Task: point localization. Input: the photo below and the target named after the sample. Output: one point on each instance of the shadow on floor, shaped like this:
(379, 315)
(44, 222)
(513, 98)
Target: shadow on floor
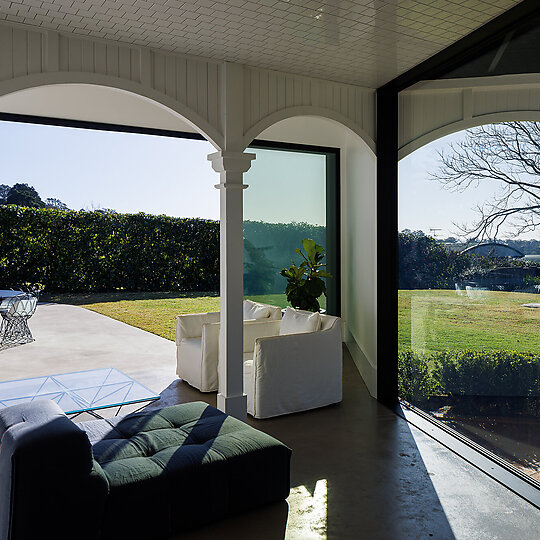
(356, 472)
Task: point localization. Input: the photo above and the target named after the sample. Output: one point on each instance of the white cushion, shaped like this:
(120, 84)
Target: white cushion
(299, 322)
(253, 310)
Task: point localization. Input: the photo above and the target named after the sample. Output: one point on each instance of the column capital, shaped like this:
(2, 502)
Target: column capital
(233, 162)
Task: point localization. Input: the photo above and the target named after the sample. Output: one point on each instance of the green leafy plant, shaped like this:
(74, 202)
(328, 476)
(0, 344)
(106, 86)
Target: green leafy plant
(305, 283)
(416, 382)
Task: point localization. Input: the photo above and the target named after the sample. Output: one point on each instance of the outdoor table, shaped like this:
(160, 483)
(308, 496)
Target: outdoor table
(78, 392)
(6, 295)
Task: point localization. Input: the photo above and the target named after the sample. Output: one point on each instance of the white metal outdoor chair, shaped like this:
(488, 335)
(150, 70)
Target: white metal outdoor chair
(15, 315)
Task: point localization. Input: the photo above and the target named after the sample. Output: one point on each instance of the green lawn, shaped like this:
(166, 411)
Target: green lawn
(440, 319)
(443, 320)
(153, 311)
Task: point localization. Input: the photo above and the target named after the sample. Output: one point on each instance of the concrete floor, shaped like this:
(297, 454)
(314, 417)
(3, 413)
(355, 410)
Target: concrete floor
(358, 470)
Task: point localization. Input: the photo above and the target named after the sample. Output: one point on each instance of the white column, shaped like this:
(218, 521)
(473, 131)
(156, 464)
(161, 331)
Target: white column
(231, 166)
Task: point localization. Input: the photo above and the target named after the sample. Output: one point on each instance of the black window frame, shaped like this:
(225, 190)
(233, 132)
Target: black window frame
(333, 211)
(465, 50)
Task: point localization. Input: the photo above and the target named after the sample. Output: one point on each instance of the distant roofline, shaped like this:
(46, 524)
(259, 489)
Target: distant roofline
(493, 244)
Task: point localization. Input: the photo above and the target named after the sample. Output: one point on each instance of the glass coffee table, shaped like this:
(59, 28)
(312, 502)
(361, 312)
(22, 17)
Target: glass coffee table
(78, 392)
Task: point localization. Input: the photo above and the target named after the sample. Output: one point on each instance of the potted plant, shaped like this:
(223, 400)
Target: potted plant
(305, 283)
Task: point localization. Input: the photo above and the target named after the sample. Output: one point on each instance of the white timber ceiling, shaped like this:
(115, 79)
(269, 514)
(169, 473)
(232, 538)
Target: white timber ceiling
(363, 42)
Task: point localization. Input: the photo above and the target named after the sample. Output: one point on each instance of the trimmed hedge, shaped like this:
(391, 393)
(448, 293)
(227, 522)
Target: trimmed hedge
(488, 373)
(415, 380)
(68, 251)
(468, 373)
(269, 248)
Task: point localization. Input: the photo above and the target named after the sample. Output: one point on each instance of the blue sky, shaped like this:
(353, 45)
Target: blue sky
(160, 175)
(126, 172)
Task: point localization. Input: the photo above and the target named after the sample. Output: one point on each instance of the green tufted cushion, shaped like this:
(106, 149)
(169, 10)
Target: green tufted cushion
(178, 467)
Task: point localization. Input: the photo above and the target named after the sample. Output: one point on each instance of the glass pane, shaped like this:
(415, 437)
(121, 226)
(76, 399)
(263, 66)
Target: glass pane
(469, 280)
(285, 203)
(79, 391)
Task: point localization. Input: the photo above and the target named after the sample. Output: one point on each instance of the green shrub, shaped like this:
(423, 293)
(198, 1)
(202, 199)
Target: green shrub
(468, 373)
(415, 379)
(488, 373)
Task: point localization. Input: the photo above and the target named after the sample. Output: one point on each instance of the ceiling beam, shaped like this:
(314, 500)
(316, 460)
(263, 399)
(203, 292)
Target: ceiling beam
(468, 47)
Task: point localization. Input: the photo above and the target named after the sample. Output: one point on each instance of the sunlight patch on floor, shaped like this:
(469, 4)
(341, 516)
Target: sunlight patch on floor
(308, 511)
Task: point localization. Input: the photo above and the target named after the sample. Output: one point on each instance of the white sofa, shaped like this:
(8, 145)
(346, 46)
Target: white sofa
(197, 343)
(294, 372)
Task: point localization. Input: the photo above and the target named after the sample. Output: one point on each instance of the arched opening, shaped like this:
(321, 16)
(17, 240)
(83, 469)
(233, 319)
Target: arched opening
(94, 103)
(467, 123)
(120, 163)
(469, 285)
(71, 93)
(356, 224)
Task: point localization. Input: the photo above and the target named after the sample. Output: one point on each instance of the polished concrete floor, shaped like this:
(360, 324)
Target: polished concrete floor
(358, 470)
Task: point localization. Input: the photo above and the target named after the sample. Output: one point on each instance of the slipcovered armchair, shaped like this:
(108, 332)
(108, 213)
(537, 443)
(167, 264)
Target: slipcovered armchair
(293, 372)
(197, 342)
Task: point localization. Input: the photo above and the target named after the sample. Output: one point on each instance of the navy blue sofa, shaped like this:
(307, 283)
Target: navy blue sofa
(146, 475)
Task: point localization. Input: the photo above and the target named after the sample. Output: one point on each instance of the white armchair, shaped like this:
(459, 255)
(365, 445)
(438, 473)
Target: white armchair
(294, 372)
(197, 343)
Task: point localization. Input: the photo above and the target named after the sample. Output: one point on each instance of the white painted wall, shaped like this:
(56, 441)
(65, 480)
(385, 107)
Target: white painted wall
(358, 231)
(359, 201)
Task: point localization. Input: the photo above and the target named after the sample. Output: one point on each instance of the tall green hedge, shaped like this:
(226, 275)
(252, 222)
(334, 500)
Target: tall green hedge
(270, 247)
(68, 251)
(71, 251)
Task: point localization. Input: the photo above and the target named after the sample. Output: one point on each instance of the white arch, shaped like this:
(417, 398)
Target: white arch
(182, 111)
(358, 226)
(306, 110)
(454, 127)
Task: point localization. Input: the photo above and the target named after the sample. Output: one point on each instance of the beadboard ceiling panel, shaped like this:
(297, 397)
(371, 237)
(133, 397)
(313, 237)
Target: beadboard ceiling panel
(362, 42)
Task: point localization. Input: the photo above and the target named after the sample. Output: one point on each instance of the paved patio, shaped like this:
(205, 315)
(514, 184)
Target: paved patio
(358, 470)
(70, 338)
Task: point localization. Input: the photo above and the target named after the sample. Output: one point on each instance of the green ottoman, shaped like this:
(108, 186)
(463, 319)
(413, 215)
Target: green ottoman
(148, 475)
(179, 467)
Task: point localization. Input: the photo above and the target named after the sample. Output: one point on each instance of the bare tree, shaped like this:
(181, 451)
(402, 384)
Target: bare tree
(507, 154)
